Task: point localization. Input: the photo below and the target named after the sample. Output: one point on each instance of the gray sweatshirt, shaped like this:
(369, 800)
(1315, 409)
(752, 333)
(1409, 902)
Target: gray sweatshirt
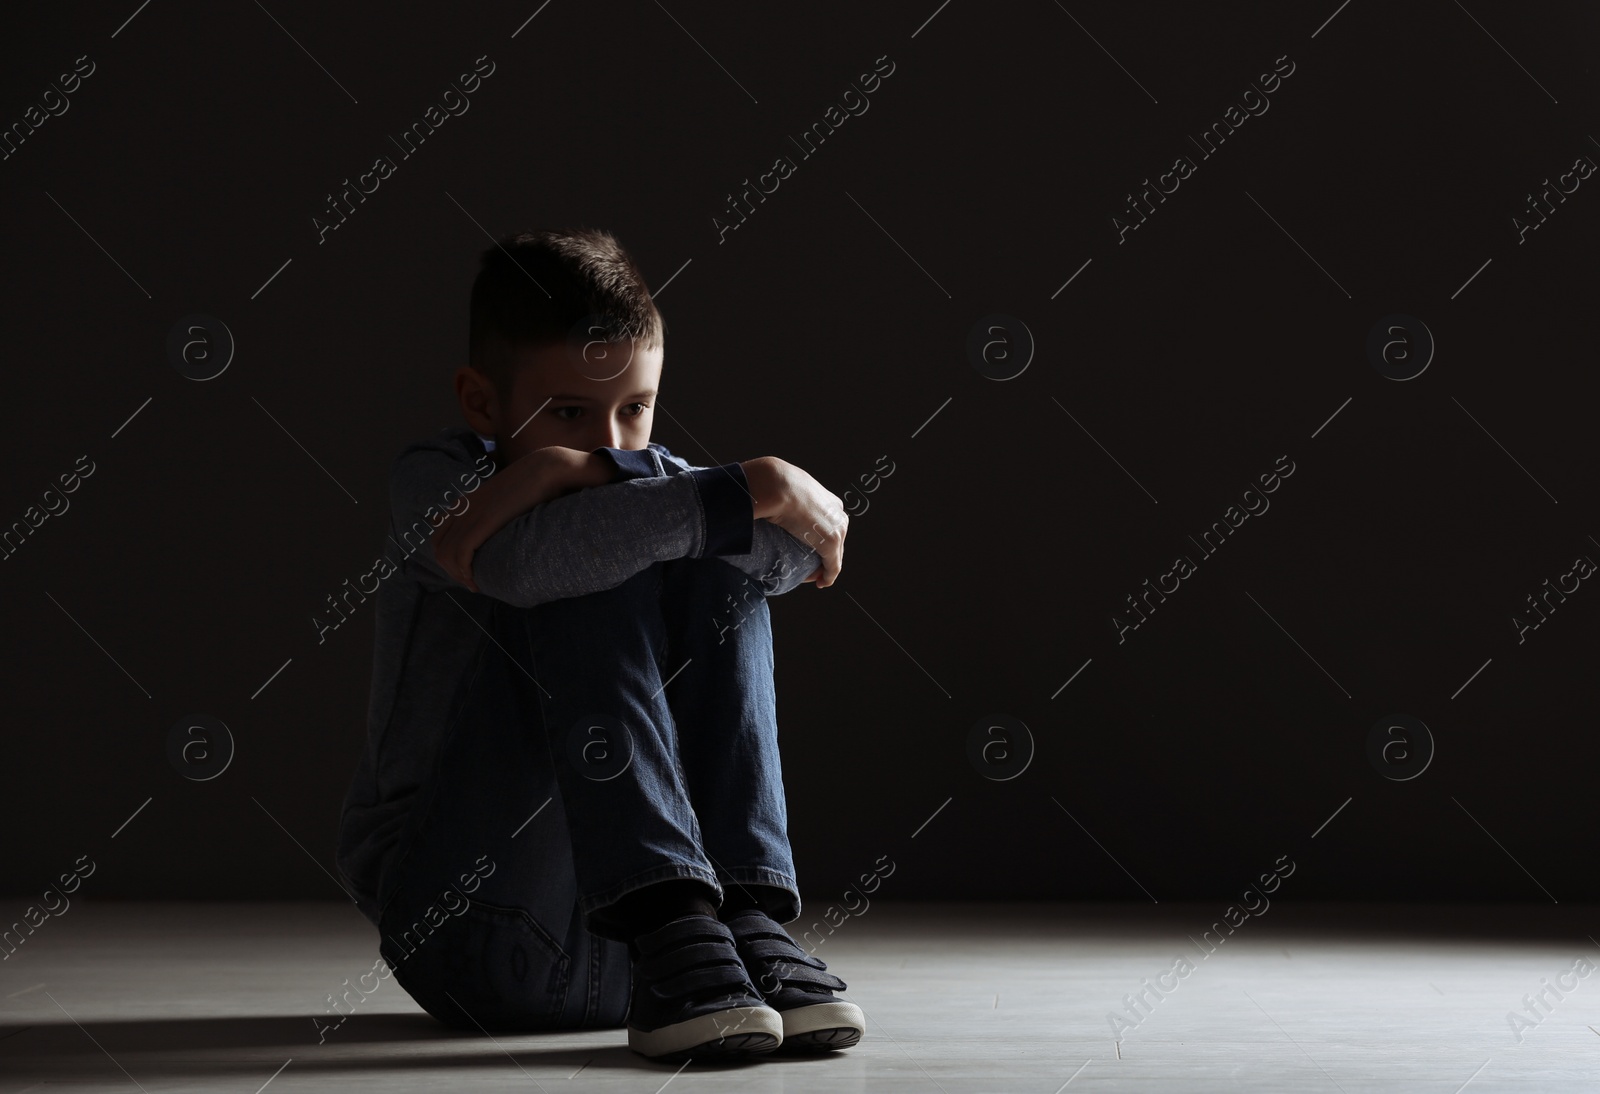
(428, 628)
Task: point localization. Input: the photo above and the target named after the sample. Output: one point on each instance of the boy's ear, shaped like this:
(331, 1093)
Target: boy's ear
(478, 399)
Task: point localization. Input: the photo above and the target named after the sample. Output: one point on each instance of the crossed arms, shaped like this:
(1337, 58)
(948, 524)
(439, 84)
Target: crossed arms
(560, 522)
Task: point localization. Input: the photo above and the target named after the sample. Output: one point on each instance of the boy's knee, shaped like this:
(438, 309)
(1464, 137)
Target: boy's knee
(621, 600)
(710, 573)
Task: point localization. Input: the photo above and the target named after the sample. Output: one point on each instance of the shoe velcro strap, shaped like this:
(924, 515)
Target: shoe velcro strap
(763, 930)
(668, 962)
(802, 975)
(679, 932)
(726, 977)
(780, 949)
(753, 922)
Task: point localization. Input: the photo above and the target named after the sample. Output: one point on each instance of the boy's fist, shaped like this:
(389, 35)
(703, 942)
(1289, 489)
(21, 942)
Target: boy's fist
(790, 498)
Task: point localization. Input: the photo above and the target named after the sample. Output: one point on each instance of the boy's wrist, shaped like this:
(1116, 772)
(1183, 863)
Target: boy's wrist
(580, 470)
(566, 470)
(766, 486)
(544, 475)
(597, 470)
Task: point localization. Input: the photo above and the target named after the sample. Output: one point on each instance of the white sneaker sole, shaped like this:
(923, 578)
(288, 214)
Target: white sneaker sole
(736, 1031)
(823, 1026)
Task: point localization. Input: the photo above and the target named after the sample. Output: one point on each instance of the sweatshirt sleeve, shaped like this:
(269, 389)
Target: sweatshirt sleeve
(778, 561)
(576, 544)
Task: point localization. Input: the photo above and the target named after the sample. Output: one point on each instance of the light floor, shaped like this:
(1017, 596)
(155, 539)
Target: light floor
(960, 998)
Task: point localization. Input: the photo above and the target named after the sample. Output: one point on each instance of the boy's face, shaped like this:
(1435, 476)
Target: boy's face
(563, 396)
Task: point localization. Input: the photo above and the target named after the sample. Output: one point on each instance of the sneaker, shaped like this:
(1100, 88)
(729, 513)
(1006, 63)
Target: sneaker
(796, 985)
(693, 997)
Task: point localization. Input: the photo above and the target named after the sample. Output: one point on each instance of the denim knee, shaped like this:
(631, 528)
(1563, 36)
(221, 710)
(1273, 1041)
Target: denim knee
(714, 596)
(709, 572)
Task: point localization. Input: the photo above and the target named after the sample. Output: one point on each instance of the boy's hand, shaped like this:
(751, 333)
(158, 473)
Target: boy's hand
(537, 477)
(790, 498)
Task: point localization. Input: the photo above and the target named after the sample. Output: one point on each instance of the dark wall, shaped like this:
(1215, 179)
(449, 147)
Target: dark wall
(1173, 364)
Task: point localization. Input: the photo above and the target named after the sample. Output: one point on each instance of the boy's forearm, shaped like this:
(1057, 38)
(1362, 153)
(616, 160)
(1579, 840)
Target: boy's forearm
(775, 559)
(654, 508)
(540, 476)
(590, 540)
(779, 561)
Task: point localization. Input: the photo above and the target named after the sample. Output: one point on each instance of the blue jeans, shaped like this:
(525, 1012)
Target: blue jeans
(565, 783)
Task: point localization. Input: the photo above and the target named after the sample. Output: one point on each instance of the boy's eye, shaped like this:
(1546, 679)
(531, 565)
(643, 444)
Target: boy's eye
(633, 413)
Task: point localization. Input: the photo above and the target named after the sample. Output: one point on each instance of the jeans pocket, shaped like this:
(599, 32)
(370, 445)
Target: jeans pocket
(492, 967)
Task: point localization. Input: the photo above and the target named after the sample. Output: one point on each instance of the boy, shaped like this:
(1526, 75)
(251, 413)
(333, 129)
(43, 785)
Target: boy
(570, 811)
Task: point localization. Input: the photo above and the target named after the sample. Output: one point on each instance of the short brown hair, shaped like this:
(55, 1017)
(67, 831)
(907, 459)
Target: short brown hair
(535, 288)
